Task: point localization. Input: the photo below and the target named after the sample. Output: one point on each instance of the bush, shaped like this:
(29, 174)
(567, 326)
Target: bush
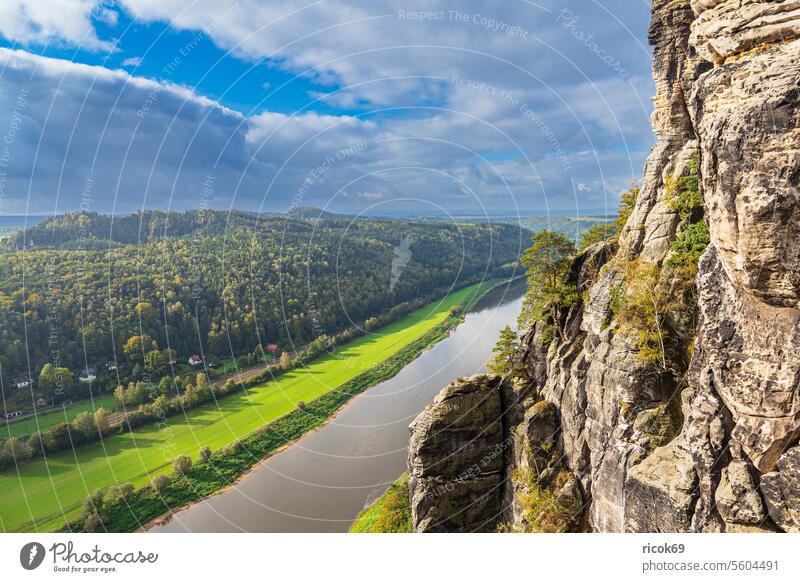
(93, 510)
(118, 493)
(182, 464)
(205, 455)
(85, 424)
(159, 482)
(301, 405)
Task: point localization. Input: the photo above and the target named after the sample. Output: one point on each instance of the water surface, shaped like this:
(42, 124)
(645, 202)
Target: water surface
(322, 482)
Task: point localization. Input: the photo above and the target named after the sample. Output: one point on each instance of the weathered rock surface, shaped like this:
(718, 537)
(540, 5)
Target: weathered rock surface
(726, 28)
(727, 75)
(781, 490)
(455, 458)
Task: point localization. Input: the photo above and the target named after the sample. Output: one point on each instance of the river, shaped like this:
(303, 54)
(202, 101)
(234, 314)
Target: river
(321, 482)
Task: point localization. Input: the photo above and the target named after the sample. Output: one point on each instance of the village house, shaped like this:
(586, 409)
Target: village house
(87, 375)
(21, 382)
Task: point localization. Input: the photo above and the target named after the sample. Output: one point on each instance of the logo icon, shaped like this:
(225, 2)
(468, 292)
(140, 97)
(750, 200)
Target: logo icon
(402, 255)
(31, 555)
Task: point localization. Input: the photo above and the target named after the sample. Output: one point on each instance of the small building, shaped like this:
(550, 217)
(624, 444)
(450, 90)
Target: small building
(111, 366)
(195, 360)
(88, 375)
(21, 382)
(14, 414)
(40, 402)
(272, 348)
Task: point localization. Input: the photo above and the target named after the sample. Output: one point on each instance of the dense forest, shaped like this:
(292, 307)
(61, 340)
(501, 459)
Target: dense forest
(137, 292)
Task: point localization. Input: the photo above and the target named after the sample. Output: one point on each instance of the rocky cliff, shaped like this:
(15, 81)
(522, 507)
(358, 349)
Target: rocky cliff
(698, 431)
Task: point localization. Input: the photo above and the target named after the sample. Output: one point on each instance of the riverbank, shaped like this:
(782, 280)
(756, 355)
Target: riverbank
(329, 475)
(42, 494)
(391, 512)
(225, 468)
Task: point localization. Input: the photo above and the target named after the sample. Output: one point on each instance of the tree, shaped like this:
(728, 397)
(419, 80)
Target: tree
(641, 306)
(146, 312)
(160, 406)
(118, 493)
(93, 510)
(154, 360)
(170, 356)
(165, 386)
(84, 422)
(548, 262)
(205, 455)
(54, 381)
(137, 346)
(286, 361)
(182, 464)
(17, 449)
(626, 205)
(101, 421)
(596, 234)
(159, 482)
(137, 370)
(505, 352)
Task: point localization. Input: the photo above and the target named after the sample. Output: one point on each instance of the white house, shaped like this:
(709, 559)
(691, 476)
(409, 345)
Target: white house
(87, 375)
(195, 360)
(21, 382)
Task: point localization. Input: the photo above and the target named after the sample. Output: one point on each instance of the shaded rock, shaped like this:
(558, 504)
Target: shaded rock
(781, 490)
(570, 497)
(738, 501)
(456, 456)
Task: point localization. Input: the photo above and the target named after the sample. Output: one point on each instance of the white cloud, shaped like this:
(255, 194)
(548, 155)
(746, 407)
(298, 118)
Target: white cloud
(578, 120)
(132, 62)
(41, 21)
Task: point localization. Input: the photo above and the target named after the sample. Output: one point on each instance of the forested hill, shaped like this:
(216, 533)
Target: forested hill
(89, 229)
(219, 283)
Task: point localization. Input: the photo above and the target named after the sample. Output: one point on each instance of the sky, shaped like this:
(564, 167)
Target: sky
(371, 106)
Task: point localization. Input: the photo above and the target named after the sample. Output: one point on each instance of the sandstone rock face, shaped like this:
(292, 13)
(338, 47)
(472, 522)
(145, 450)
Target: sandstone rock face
(744, 379)
(455, 458)
(781, 490)
(597, 376)
(727, 75)
(725, 28)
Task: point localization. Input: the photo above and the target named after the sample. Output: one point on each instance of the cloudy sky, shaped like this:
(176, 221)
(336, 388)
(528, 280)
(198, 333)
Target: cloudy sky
(376, 106)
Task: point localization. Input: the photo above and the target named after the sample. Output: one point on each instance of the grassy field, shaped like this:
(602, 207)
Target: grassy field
(391, 512)
(50, 418)
(42, 494)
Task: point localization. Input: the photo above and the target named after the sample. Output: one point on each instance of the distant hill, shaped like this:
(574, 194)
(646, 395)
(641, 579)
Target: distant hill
(572, 226)
(220, 283)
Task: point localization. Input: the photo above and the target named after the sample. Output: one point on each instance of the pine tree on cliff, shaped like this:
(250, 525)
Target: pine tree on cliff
(548, 261)
(504, 352)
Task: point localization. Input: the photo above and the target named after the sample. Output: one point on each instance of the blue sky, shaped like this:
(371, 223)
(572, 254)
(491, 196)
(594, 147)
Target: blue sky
(354, 106)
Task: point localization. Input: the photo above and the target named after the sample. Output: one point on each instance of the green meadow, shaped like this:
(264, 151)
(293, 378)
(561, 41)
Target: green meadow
(47, 420)
(41, 495)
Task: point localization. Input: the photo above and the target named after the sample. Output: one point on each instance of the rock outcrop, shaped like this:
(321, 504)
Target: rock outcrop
(705, 444)
(455, 458)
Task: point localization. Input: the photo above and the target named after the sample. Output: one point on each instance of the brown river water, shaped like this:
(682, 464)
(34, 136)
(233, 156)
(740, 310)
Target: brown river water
(321, 482)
